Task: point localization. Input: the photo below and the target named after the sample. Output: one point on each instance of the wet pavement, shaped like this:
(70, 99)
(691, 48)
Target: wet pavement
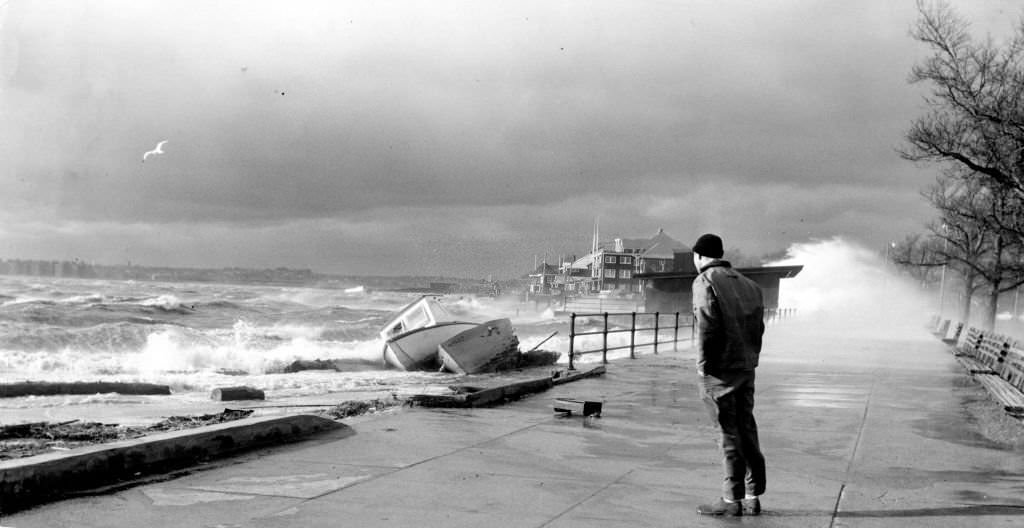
(858, 431)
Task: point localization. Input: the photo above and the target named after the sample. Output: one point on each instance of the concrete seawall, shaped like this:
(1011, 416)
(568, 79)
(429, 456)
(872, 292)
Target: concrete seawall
(31, 480)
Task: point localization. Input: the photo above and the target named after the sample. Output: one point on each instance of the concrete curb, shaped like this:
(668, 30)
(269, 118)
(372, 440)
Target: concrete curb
(32, 480)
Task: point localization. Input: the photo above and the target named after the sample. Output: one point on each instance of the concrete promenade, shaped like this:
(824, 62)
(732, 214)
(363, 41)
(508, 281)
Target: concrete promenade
(858, 431)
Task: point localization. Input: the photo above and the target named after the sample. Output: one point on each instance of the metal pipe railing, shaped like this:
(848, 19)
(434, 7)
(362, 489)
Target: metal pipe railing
(632, 329)
(771, 314)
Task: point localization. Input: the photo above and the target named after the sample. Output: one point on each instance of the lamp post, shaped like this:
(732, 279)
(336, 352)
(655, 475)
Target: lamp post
(890, 245)
(945, 259)
(885, 269)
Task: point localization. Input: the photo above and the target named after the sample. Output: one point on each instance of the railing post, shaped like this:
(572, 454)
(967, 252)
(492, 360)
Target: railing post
(632, 338)
(572, 338)
(604, 350)
(675, 335)
(656, 319)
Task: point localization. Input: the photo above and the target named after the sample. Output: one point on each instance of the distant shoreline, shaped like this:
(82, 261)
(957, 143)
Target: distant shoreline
(281, 276)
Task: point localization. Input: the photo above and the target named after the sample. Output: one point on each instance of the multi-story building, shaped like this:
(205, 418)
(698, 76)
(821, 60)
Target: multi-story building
(613, 266)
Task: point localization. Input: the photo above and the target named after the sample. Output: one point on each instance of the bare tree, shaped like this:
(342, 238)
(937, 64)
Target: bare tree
(918, 256)
(979, 229)
(974, 127)
(976, 103)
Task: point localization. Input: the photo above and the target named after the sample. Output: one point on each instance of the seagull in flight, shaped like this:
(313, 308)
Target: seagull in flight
(158, 150)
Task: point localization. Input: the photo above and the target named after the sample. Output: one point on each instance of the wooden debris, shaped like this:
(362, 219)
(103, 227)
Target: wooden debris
(49, 388)
(175, 423)
(565, 376)
(538, 358)
(28, 439)
(355, 408)
(237, 393)
(310, 364)
(542, 341)
(470, 396)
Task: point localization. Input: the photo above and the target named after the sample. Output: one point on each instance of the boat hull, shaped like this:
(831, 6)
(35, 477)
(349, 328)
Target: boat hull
(417, 349)
(487, 347)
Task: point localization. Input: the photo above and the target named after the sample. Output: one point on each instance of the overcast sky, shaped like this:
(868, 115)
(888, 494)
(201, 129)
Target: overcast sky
(461, 138)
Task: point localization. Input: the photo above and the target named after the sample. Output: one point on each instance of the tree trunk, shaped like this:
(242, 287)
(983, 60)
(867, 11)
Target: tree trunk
(966, 298)
(988, 321)
(994, 281)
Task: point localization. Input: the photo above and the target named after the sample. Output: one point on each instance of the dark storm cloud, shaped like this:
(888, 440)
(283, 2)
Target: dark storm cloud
(497, 130)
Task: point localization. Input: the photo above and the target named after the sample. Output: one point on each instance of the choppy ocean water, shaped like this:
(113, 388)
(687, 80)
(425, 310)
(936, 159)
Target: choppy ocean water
(195, 337)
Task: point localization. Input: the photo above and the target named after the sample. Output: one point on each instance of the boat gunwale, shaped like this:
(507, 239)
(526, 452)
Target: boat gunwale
(428, 327)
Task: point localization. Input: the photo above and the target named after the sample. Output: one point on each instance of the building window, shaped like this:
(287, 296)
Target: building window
(609, 274)
(625, 274)
(626, 260)
(609, 259)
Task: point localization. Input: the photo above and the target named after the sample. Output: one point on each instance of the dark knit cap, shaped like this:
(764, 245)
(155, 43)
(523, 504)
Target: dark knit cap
(709, 245)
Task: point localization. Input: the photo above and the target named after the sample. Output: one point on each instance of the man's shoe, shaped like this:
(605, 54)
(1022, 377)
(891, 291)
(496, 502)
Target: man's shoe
(751, 506)
(720, 507)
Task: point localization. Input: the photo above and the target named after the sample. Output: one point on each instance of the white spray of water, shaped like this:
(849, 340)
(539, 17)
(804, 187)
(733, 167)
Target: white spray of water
(166, 301)
(247, 350)
(845, 287)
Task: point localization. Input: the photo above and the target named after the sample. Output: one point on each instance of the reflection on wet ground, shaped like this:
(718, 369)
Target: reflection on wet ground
(818, 396)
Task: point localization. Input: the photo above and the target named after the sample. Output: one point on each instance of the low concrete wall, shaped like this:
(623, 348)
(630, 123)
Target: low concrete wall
(41, 478)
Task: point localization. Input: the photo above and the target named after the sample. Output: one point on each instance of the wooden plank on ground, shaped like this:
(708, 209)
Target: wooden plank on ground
(474, 396)
(572, 375)
(237, 393)
(48, 388)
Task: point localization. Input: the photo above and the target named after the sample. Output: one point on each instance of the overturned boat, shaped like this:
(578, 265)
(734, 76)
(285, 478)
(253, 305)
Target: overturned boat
(411, 337)
(487, 347)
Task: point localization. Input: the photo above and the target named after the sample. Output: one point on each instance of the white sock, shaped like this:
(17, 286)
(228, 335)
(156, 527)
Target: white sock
(748, 497)
(728, 501)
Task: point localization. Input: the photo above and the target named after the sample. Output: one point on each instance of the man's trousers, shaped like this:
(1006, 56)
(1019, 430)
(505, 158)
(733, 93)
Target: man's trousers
(729, 397)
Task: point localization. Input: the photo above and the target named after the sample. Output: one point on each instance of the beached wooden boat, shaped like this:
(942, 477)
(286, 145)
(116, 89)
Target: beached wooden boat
(412, 336)
(487, 347)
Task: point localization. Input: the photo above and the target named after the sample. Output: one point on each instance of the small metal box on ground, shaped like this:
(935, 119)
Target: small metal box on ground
(582, 407)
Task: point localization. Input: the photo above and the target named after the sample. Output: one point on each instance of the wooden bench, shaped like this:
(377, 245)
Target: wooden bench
(970, 342)
(997, 362)
(1009, 396)
(992, 350)
(1012, 369)
(953, 334)
(972, 365)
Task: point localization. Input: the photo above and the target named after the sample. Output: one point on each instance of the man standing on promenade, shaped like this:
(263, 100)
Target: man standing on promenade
(729, 316)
